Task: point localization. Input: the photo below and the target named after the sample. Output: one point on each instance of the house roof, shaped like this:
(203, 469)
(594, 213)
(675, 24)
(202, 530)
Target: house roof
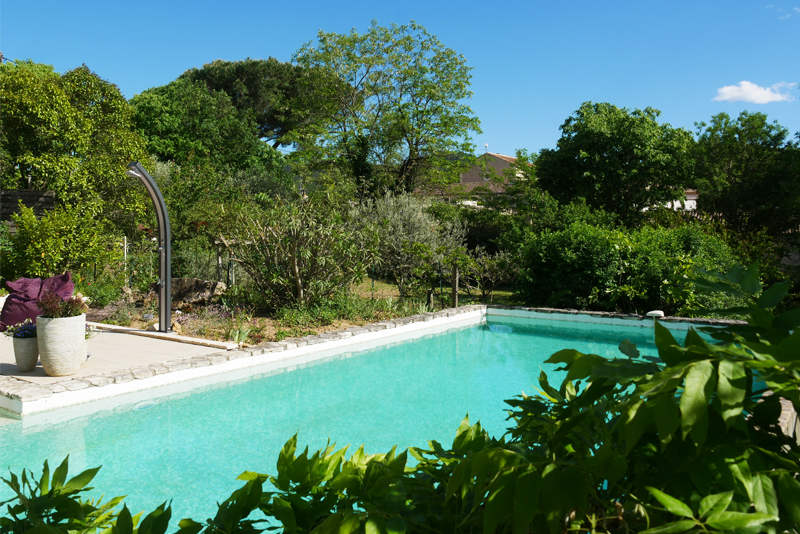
(504, 158)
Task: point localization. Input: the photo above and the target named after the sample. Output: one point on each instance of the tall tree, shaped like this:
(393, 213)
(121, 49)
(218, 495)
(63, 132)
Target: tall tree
(400, 105)
(278, 96)
(749, 172)
(71, 133)
(619, 160)
(184, 120)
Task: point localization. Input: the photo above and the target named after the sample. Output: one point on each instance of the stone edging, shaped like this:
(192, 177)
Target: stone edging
(24, 391)
(617, 315)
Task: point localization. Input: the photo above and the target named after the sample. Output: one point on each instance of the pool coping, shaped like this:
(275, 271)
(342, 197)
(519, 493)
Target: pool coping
(601, 317)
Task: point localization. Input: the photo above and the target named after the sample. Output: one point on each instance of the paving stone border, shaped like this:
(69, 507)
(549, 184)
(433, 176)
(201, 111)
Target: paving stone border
(24, 391)
(615, 315)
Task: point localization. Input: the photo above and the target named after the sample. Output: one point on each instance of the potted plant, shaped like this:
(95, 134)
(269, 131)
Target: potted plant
(61, 333)
(26, 348)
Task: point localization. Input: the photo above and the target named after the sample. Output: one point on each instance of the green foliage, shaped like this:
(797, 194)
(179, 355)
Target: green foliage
(71, 134)
(299, 251)
(102, 292)
(561, 269)
(5, 250)
(242, 296)
(197, 195)
(123, 315)
(271, 177)
(53, 306)
(688, 442)
(37, 69)
(619, 160)
(400, 112)
(485, 225)
(343, 306)
(185, 121)
(586, 266)
(278, 96)
(412, 244)
(526, 209)
(485, 271)
(53, 505)
(749, 173)
(66, 239)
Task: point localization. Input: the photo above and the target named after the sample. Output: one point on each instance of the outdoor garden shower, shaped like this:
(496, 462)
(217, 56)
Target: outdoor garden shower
(136, 170)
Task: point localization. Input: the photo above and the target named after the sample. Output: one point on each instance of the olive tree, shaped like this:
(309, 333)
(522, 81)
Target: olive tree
(412, 244)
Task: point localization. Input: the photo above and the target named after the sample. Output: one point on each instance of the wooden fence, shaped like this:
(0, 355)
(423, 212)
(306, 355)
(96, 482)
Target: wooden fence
(39, 201)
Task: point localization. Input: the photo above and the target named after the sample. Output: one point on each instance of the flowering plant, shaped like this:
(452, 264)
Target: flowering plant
(25, 330)
(53, 306)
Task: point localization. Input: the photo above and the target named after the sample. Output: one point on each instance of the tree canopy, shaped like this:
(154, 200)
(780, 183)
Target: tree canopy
(619, 160)
(400, 110)
(749, 172)
(278, 96)
(185, 120)
(70, 133)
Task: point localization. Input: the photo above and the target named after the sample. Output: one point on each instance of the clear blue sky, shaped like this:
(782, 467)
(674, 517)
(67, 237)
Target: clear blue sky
(534, 62)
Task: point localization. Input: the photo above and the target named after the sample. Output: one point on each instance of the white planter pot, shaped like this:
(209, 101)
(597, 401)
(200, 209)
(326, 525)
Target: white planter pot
(26, 352)
(62, 344)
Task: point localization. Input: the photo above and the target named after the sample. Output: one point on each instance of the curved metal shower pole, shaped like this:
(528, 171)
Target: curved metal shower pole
(136, 170)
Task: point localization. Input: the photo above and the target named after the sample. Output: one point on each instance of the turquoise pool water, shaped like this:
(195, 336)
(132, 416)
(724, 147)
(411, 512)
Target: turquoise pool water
(191, 447)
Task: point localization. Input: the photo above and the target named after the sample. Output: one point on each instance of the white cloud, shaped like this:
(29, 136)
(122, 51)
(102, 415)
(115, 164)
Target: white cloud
(785, 16)
(749, 92)
(796, 9)
(769, 6)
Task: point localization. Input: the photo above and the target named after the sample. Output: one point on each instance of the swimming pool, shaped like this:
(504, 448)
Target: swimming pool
(192, 445)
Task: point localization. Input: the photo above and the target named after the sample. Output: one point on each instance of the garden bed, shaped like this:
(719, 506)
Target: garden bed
(231, 320)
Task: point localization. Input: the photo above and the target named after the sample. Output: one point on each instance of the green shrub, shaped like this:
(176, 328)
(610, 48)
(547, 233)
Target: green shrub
(242, 295)
(65, 239)
(5, 251)
(123, 316)
(299, 251)
(585, 266)
(536, 212)
(345, 306)
(562, 269)
(102, 285)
